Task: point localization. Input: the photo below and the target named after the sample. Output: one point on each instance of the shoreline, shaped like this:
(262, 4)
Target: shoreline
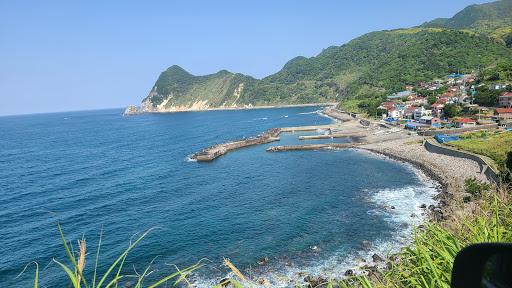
(129, 111)
(397, 146)
(372, 260)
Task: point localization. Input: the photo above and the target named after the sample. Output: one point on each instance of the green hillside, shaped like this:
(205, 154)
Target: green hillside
(381, 62)
(494, 19)
(220, 89)
(365, 68)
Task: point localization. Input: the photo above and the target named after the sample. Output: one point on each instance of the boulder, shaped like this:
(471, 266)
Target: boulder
(377, 258)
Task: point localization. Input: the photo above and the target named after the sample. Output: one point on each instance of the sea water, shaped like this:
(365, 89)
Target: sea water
(94, 172)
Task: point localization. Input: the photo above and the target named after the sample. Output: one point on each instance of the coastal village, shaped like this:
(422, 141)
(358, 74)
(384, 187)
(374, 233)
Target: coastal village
(443, 104)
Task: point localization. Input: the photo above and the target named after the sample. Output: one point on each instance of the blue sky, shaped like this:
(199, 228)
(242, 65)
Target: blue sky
(79, 55)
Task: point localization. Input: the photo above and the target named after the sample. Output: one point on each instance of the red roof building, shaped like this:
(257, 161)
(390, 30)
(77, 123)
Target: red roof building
(505, 99)
(504, 113)
(463, 122)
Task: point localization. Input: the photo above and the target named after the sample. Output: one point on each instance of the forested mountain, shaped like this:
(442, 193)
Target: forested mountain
(493, 19)
(367, 67)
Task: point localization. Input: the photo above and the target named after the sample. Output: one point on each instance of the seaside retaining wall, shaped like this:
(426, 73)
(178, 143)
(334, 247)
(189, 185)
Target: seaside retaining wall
(485, 168)
(457, 130)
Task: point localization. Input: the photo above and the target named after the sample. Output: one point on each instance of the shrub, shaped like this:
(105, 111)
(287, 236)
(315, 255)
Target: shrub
(476, 187)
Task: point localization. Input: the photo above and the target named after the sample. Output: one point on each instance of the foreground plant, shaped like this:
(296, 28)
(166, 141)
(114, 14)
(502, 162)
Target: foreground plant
(114, 274)
(428, 261)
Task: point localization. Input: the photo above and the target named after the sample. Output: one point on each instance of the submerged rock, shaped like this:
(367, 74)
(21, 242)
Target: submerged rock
(367, 245)
(263, 261)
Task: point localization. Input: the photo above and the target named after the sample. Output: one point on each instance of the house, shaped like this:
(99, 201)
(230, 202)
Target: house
(400, 95)
(388, 105)
(437, 109)
(416, 101)
(431, 121)
(504, 113)
(394, 113)
(499, 86)
(464, 122)
(420, 112)
(409, 112)
(505, 100)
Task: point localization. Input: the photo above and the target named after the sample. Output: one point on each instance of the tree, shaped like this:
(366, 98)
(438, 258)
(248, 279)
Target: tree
(452, 110)
(431, 99)
(486, 97)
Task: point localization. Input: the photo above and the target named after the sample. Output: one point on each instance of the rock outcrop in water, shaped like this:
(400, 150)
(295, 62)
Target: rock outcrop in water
(132, 110)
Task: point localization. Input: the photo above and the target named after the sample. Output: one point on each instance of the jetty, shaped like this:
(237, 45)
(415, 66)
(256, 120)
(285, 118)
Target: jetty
(313, 147)
(327, 128)
(333, 135)
(347, 122)
(209, 154)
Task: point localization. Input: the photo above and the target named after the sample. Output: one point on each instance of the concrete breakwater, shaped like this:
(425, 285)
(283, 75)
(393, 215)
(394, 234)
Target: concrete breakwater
(313, 147)
(271, 135)
(209, 154)
(333, 135)
(338, 114)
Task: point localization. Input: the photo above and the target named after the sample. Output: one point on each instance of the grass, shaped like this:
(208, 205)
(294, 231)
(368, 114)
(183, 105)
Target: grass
(115, 275)
(494, 146)
(428, 261)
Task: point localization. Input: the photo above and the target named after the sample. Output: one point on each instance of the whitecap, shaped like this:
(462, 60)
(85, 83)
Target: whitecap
(190, 159)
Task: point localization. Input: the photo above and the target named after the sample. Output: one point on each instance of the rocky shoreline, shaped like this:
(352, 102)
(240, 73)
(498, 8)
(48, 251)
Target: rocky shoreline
(447, 172)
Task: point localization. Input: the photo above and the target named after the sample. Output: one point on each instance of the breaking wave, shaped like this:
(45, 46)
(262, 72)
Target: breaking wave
(400, 207)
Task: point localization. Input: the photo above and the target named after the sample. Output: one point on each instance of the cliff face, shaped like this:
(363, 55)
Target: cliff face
(177, 90)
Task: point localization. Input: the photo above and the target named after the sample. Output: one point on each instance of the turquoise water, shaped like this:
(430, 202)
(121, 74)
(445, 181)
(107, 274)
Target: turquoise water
(305, 211)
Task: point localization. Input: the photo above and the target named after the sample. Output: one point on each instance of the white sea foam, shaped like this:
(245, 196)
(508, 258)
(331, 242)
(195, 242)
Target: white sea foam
(405, 216)
(313, 112)
(189, 159)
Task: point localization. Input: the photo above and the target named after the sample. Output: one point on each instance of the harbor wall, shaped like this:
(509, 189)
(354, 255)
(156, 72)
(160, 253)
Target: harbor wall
(485, 167)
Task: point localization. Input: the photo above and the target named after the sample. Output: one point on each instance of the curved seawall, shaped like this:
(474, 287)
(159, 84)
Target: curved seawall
(485, 167)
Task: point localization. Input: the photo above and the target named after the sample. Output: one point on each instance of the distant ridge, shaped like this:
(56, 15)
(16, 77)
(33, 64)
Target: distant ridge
(367, 67)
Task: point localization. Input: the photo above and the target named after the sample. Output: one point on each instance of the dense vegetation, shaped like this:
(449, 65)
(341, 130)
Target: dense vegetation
(494, 146)
(368, 67)
(494, 19)
(364, 70)
(185, 88)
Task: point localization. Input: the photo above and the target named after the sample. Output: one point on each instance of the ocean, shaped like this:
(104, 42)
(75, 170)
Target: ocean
(95, 172)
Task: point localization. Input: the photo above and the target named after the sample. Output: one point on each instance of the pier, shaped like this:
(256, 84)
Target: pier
(307, 128)
(313, 147)
(342, 118)
(333, 135)
(209, 154)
